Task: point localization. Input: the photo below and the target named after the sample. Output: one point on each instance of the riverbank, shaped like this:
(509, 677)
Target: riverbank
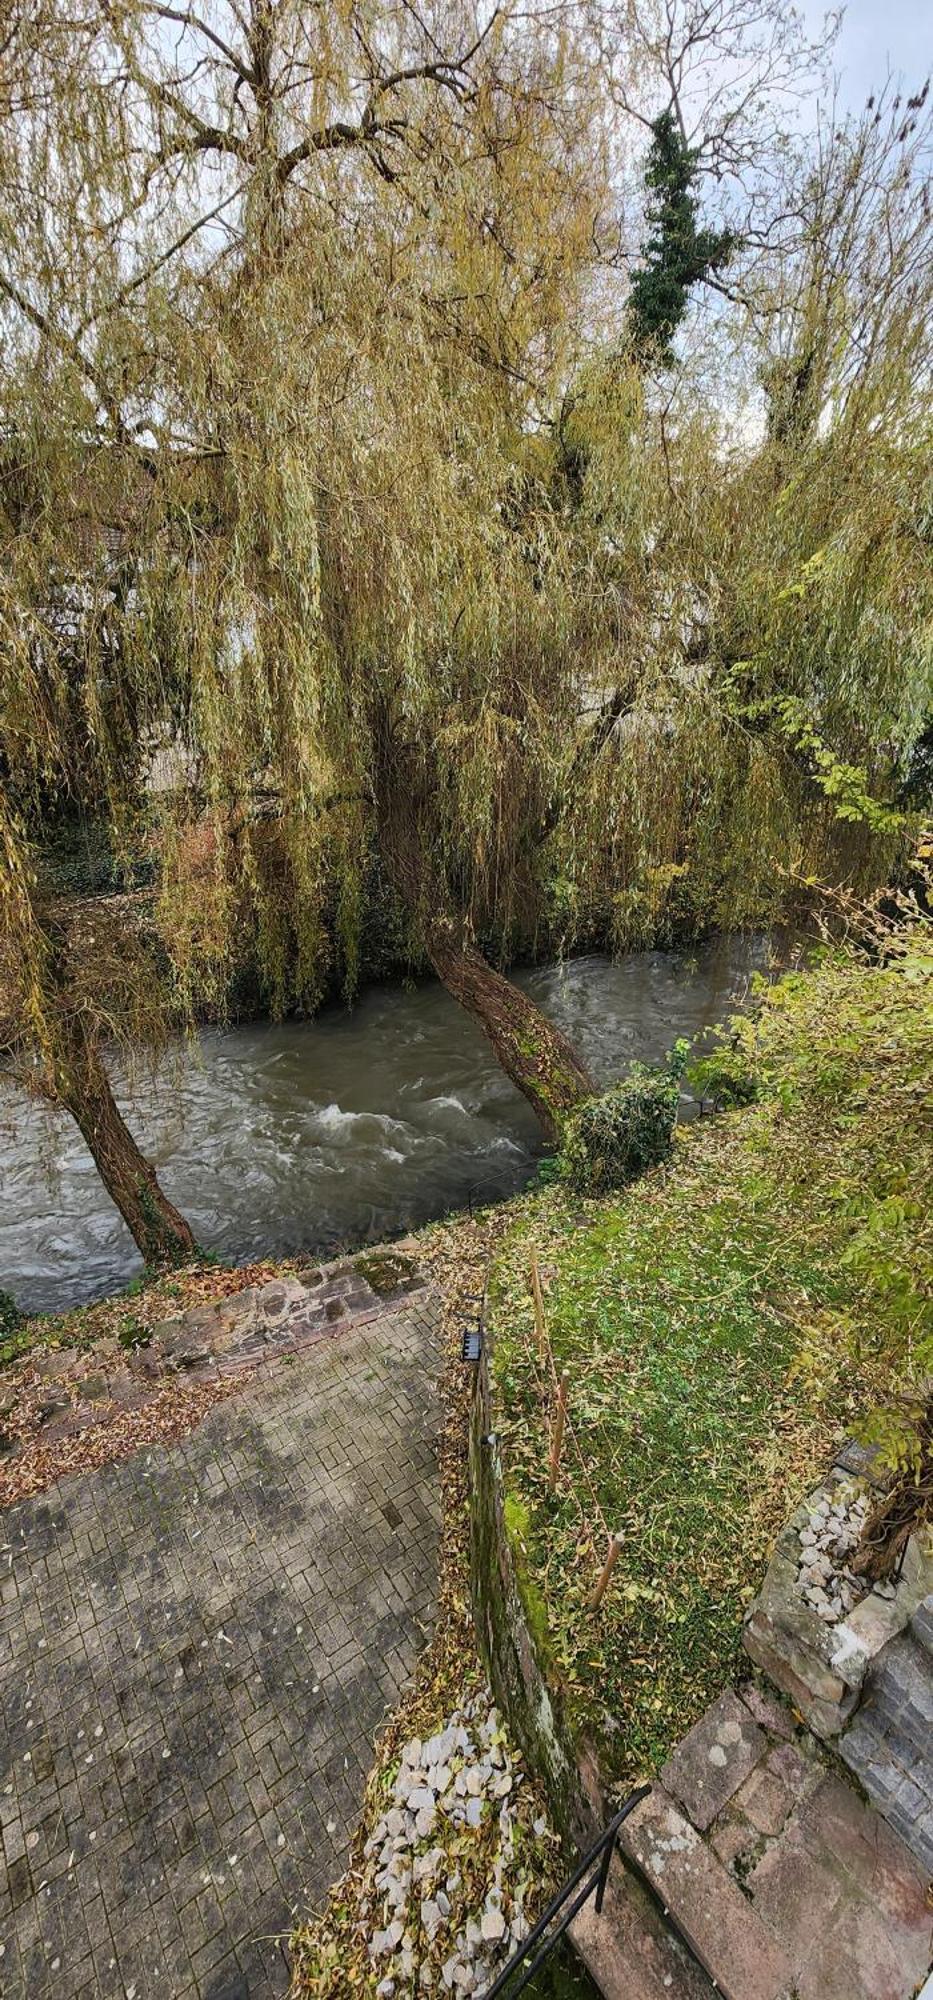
(723, 1325)
(312, 1138)
(75, 1393)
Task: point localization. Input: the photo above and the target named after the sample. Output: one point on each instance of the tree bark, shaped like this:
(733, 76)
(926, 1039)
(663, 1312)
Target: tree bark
(83, 1087)
(540, 1060)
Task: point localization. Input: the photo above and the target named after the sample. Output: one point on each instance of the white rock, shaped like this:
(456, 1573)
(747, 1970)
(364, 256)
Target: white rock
(426, 1865)
(493, 1925)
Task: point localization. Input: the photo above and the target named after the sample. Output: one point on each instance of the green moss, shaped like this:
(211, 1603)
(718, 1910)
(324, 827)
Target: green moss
(517, 1517)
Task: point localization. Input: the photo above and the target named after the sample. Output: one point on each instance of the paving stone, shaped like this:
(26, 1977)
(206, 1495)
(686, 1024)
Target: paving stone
(845, 1896)
(714, 1759)
(765, 1800)
(630, 1952)
(860, 1461)
(770, 1713)
(169, 1618)
(730, 1939)
(732, 1838)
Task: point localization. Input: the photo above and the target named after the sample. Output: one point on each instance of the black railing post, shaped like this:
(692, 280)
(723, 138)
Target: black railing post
(541, 1940)
(604, 1867)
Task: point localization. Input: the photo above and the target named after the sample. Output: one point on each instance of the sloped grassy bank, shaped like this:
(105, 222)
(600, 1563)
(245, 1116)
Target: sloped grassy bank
(723, 1324)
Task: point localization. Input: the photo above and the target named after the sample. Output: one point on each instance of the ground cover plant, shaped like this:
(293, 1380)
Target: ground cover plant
(724, 1322)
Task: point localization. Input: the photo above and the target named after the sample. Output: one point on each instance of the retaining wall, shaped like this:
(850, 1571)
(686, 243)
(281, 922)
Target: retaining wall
(516, 1670)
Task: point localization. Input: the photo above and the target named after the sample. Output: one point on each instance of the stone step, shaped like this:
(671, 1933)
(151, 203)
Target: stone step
(921, 1626)
(629, 1951)
(738, 1950)
(889, 1742)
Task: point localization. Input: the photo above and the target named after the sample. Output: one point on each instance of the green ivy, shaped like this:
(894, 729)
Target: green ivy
(614, 1138)
(678, 253)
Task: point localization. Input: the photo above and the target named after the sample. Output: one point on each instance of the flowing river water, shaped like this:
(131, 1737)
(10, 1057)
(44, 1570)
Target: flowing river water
(318, 1135)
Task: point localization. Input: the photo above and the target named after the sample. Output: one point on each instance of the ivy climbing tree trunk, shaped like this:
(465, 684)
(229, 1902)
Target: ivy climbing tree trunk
(540, 1060)
(83, 1087)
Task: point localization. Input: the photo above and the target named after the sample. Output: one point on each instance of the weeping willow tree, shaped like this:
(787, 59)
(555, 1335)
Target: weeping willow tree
(320, 419)
(330, 274)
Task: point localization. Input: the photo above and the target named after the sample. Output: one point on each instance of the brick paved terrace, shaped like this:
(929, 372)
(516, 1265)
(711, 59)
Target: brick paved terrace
(197, 1646)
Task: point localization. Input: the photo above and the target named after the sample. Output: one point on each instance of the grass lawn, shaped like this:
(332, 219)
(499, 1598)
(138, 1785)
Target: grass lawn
(723, 1323)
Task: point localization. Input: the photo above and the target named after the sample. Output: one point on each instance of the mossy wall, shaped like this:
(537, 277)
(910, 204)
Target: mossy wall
(513, 1654)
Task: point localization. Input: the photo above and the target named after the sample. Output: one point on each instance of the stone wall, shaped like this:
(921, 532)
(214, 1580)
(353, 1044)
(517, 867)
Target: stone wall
(516, 1672)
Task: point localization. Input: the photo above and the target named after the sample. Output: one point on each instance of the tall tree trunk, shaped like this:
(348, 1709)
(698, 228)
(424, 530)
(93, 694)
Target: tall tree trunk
(83, 1087)
(537, 1056)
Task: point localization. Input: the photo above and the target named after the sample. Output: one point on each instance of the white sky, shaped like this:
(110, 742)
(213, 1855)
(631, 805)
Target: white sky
(877, 35)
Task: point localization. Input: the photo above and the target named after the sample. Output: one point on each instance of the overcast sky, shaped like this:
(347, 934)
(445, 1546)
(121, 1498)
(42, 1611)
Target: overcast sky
(877, 34)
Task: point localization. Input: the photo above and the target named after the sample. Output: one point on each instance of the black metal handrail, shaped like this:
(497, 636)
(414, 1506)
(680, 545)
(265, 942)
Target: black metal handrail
(600, 1853)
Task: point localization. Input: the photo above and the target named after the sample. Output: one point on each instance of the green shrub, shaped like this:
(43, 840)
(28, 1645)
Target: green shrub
(11, 1319)
(15, 1337)
(726, 1075)
(613, 1138)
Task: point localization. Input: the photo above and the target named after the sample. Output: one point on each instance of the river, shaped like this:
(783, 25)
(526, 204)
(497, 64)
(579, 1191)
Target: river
(325, 1134)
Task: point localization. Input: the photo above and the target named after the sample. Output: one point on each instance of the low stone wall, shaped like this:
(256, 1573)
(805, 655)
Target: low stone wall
(822, 1664)
(516, 1673)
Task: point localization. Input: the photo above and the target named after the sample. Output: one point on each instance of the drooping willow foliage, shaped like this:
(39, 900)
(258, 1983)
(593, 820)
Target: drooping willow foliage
(344, 541)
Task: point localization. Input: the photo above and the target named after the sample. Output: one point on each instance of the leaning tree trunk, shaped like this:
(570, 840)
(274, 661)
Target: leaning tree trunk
(541, 1062)
(539, 1059)
(83, 1087)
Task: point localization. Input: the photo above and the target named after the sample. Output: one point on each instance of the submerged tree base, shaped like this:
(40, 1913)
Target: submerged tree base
(540, 1060)
(83, 1086)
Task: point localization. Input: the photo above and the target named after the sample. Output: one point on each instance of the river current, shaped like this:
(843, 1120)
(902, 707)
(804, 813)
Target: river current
(318, 1135)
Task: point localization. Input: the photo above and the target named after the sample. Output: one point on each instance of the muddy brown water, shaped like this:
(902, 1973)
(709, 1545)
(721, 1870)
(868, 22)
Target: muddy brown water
(350, 1128)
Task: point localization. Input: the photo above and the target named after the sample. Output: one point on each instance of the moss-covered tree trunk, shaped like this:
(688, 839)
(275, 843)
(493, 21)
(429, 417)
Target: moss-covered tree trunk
(539, 1059)
(83, 1087)
(542, 1062)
